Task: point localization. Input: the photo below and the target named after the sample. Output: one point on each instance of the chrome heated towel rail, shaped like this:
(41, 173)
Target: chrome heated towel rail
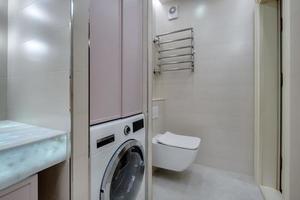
(175, 49)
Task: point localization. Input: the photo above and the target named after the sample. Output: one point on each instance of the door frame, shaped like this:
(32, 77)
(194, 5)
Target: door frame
(267, 155)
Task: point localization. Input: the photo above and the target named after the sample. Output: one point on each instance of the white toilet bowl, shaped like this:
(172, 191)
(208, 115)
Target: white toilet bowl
(174, 152)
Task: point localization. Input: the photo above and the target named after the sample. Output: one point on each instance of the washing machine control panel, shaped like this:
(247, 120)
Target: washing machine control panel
(138, 125)
(127, 130)
(106, 140)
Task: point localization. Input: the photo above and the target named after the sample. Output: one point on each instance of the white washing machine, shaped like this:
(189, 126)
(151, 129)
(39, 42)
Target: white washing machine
(117, 160)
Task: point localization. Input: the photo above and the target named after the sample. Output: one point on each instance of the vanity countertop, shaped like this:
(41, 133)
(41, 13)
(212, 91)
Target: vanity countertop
(26, 150)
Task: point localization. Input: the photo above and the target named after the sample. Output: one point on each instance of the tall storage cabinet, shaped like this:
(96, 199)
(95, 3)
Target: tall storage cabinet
(116, 68)
(132, 60)
(105, 60)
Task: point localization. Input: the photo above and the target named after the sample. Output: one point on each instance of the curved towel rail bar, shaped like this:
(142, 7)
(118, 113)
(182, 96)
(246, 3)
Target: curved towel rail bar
(182, 43)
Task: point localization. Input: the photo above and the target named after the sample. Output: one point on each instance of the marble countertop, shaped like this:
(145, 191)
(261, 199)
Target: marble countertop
(26, 150)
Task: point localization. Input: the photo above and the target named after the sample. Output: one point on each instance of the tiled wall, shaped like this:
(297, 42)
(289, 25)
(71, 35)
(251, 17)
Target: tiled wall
(39, 62)
(3, 57)
(38, 71)
(216, 102)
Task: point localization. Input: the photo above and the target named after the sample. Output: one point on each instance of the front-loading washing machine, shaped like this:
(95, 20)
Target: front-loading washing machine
(117, 160)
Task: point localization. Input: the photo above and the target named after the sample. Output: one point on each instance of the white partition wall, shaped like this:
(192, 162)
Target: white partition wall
(267, 94)
(291, 99)
(80, 133)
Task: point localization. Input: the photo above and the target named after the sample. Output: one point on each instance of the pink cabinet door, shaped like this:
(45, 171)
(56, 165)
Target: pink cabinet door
(132, 52)
(25, 190)
(105, 60)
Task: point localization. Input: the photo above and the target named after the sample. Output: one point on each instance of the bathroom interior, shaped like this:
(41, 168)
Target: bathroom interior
(149, 99)
(204, 87)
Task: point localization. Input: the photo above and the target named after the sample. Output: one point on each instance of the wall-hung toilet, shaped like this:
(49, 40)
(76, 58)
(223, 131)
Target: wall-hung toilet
(174, 152)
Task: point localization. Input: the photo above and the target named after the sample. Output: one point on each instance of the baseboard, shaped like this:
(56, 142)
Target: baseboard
(271, 194)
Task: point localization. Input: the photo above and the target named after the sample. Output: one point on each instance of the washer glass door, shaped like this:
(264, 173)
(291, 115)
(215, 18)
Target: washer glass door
(125, 173)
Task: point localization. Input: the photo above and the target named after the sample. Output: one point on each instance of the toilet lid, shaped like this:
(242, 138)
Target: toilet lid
(180, 141)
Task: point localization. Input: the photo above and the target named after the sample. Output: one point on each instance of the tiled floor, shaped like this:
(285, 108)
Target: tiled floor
(203, 183)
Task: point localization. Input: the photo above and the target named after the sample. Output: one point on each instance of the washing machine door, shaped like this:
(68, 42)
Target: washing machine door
(124, 175)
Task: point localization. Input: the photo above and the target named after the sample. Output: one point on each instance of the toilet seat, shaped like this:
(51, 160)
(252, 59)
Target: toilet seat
(174, 152)
(179, 141)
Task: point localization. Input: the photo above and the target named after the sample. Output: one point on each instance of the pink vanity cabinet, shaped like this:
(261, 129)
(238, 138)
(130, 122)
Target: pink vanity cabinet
(26, 190)
(116, 72)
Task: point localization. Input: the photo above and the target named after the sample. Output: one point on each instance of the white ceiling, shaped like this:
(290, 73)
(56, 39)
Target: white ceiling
(164, 1)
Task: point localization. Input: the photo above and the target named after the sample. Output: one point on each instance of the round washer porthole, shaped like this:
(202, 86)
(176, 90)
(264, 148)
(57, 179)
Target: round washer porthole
(124, 175)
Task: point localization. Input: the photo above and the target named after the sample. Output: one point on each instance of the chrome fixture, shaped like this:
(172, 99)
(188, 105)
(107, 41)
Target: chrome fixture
(175, 48)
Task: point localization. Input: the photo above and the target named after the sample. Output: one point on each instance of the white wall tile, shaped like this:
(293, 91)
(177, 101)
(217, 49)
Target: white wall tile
(3, 57)
(38, 88)
(3, 83)
(216, 102)
(41, 99)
